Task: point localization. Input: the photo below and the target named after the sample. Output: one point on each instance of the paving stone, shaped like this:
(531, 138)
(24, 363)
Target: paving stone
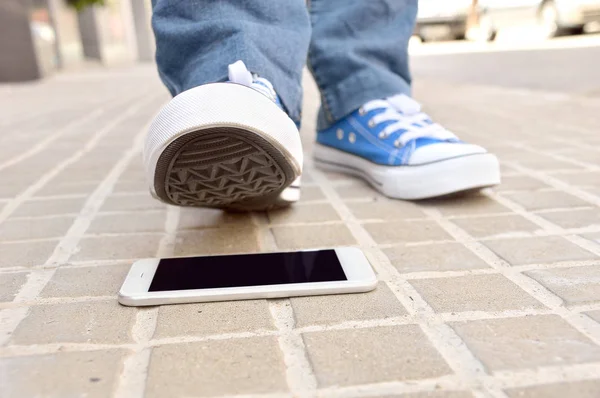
(99, 322)
(199, 218)
(577, 285)
(431, 394)
(581, 178)
(10, 284)
(312, 236)
(357, 189)
(474, 293)
(50, 207)
(105, 280)
(117, 247)
(12, 190)
(128, 223)
(335, 176)
(373, 355)
(434, 257)
(579, 389)
(68, 188)
(595, 315)
(35, 228)
(84, 171)
(542, 200)
(321, 212)
(406, 231)
(213, 318)
(547, 249)
(318, 310)
(548, 164)
(584, 218)
(385, 210)
(520, 183)
(131, 203)
(218, 367)
(466, 205)
(25, 254)
(126, 186)
(496, 226)
(595, 237)
(311, 193)
(216, 241)
(90, 374)
(526, 342)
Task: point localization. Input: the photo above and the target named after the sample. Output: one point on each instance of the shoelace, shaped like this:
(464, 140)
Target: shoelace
(408, 120)
(238, 73)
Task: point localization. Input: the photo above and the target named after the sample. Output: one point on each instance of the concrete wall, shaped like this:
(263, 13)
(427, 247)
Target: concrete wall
(68, 38)
(108, 33)
(18, 59)
(142, 13)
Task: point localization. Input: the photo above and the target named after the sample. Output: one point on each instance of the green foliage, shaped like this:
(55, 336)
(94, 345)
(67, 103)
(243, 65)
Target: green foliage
(81, 4)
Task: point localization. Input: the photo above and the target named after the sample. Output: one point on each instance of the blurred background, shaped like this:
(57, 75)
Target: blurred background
(538, 44)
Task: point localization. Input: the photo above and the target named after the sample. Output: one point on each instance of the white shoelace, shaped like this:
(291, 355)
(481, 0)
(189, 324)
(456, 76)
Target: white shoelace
(238, 73)
(407, 118)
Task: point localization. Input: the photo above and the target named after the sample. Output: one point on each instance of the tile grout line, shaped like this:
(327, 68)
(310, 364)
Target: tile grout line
(51, 138)
(560, 158)
(300, 376)
(134, 373)
(40, 146)
(448, 344)
(580, 322)
(559, 185)
(12, 205)
(503, 379)
(543, 223)
(36, 282)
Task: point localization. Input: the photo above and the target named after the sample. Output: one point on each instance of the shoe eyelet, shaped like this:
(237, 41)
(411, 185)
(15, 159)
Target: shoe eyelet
(383, 136)
(361, 111)
(340, 134)
(371, 123)
(352, 138)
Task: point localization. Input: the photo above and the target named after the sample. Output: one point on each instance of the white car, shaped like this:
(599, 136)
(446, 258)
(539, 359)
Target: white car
(555, 17)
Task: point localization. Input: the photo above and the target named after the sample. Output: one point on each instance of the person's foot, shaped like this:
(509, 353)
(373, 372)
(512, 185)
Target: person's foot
(225, 145)
(398, 149)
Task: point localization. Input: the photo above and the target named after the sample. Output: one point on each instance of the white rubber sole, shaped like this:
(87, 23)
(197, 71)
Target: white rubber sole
(415, 182)
(203, 147)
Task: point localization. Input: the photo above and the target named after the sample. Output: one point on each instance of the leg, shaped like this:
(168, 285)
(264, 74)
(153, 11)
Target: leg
(359, 52)
(368, 124)
(225, 139)
(195, 41)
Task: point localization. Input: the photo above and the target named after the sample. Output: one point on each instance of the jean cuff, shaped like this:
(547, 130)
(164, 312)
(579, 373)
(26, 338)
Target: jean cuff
(351, 93)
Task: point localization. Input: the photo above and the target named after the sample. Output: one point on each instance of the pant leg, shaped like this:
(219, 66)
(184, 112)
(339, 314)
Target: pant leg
(196, 40)
(359, 52)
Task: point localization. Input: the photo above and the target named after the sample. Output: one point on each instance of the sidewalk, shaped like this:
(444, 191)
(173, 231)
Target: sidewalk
(495, 295)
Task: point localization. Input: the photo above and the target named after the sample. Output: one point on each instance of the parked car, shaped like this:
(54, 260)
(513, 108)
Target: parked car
(554, 17)
(443, 19)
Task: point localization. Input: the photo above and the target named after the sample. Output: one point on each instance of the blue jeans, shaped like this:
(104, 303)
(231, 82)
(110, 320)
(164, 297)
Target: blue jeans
(355, 49)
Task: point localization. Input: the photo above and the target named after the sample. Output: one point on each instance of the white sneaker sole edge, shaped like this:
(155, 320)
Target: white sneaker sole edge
(415, 182)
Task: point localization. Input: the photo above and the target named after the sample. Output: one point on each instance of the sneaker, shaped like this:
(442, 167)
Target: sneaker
(399, 151)
(225, 145)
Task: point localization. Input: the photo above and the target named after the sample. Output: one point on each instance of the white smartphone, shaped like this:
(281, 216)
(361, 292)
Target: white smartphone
(247, 276)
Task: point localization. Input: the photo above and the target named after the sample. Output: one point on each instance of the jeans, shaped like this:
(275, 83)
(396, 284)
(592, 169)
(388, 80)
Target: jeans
(355, 49)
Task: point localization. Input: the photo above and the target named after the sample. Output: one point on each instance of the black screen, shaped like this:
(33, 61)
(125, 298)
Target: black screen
(246, 270)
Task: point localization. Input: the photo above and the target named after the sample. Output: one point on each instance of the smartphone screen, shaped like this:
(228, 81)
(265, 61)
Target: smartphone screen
(247, 270)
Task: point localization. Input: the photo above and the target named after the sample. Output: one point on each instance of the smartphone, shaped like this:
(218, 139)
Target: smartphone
(247, 276)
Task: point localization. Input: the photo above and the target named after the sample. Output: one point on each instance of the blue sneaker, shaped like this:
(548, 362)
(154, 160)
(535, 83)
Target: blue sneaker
(401, 152)
(226, 145)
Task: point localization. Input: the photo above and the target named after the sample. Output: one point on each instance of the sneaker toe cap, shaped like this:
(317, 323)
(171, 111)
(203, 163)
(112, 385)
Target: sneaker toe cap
(442, 151)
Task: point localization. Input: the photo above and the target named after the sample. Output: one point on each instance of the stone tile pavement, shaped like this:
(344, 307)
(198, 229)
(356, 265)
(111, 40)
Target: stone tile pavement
(490, 295)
